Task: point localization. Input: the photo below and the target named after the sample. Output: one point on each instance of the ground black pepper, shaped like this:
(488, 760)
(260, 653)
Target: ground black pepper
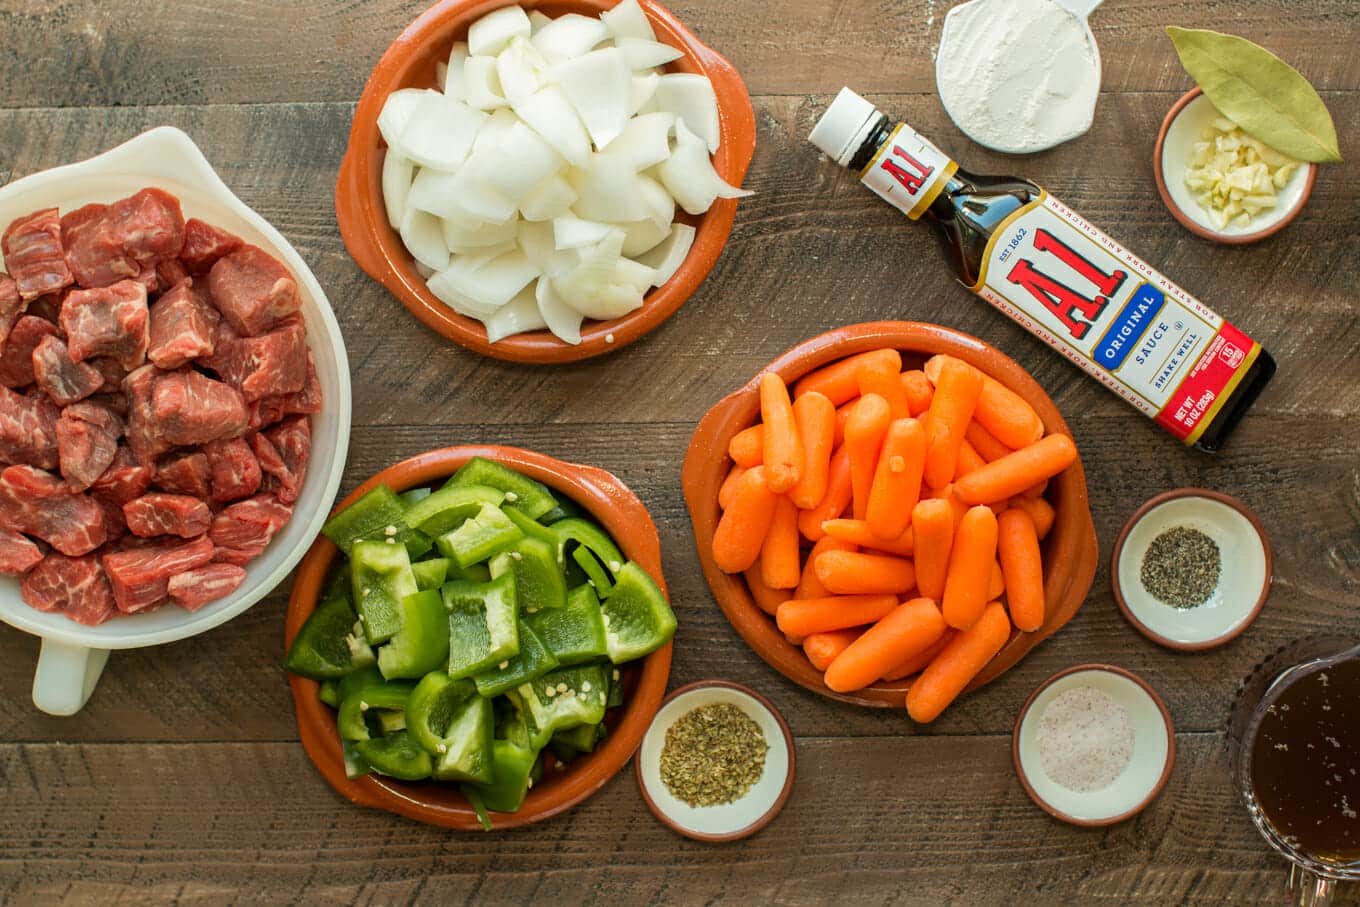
(713, 755)
(1181, 567)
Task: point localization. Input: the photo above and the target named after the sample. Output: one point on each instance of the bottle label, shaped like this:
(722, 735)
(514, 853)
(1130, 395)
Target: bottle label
(1105, 309)
(908, 172)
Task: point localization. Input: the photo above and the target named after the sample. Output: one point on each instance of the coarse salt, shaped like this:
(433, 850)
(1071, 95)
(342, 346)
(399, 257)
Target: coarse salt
(1085, 739)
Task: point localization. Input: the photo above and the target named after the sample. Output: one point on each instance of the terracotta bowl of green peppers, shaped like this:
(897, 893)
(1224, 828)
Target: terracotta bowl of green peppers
(557, 783)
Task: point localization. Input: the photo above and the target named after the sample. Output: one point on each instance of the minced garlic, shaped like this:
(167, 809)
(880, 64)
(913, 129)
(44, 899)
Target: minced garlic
(1234, 176)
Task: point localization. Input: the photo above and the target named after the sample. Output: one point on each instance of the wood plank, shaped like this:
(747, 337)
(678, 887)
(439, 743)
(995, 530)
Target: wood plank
(116, 52)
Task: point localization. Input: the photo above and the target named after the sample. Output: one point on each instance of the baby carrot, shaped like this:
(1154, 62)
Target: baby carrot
(897, 479)
(917, 663)
(970, 568)
(1000, 410)
(858, 573)
(839, 381)
(767, 599)
(803, 617)
(1017, 543)
(747, 447)
(864, 432)
(822, 648)
(952, 670)
(1015, 472)
(810, 586)
(783, 449)
(1036, 490)
(729, 485)
(996, 582)
(947, 494)
(842, 416)
(834, 502)
(745, 523)
(919, 391)
(956, 393)
(969, 460)
(816, 420)
(779, 556)
(987, 446)
(932, 527)
(1039, 510)
(880, 376)
(857, 532)
(907, 630)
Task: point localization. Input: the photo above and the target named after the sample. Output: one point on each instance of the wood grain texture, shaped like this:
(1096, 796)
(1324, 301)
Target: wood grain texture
(182, 781)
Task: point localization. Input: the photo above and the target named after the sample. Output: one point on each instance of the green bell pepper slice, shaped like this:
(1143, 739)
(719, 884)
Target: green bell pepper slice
(367, 676)
(351, 721)
(588, 535)
(533, 499)
(366, 518)
(328, 646)
(431, 573)
(390, 721)
(356, 766)
(637, 618)
(432, 705)
(381, 576)
(562, 699)
(413, 496)
(511, 767)
(483, 630)
(465, 753)
(329, 693)
(535, 529)
(595, 572)
(448, 507)
(565, 507)
(396, 755)
(533, 660)
(539, 583)
(573, 633)
(480, 537)
(422, 643)
(567, 745)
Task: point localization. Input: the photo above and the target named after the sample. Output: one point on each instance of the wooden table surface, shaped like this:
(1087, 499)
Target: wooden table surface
(183, 779)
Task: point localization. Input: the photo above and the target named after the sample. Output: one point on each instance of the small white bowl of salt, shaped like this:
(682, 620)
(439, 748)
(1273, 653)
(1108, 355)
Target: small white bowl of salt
(1094, 745)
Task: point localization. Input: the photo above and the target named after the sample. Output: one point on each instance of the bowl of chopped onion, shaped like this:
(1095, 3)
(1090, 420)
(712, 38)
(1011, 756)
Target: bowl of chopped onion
(548, 181)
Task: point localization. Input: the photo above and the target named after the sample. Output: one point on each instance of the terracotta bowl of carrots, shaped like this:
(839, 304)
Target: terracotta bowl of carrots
(888, 508)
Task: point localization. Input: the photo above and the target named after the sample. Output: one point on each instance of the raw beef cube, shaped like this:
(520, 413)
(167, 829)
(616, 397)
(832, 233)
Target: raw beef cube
(243, 530)
(125, 479)
(182, 324)
(66, 382)
(204, 244)
(266, 411)
(16, 356)
(223, 337)
(115, 524)
(140, 576)
(28, 429)
(186, 474)
(149, 280)
(48, 307)
(33, 254)
(76, 586)
(12, 305)
(252, 290)
(291, 447)
(87, 442)
(18, 554)
(235, 471)
(107, 243)
(272, 364)
(167, 514)
(171, 273)
(112, 372)
(110, 321)
(308, 400)
(194, 588)
(146, 441)
(190, 408)
(37, 503)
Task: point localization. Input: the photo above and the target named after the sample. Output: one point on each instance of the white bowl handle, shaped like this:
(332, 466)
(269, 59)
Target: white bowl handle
(66, 676)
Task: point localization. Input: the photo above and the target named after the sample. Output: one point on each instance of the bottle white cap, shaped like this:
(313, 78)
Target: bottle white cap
(844, 126)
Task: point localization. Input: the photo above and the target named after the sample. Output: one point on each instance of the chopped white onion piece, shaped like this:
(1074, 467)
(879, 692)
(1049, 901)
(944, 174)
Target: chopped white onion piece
(573, 233)
(657, 202)
(569, 36)
(643, 54)
(483, 84)
(666, 258)
(396, 113)
(423, 237)
(519, 68)
(523, 161)
(642, 235)
(484, 284)
(397, 173)
(440, 132)
(489, 34)
(645, 141)
(627, 20)
(562, 319)
(599, 86)
(603, 285)
(493, 130)
(607, 190)
(550, 114)
(455, 81)
(463, 235)
(551, 198)
(515, 317)
(537, 19)
(535, 239)
(424, 272)
(466, 195)
(689, 176)
(690, 97)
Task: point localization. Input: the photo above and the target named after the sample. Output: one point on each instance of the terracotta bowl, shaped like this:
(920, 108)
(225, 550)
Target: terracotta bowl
(410, 63)
(1069, 551)
(607, 500)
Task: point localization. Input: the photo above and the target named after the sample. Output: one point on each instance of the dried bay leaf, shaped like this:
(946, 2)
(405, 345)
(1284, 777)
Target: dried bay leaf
(1258, 91)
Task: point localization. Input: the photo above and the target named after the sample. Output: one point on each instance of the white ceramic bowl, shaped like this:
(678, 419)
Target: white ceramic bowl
(73, 655)
(1154, 748)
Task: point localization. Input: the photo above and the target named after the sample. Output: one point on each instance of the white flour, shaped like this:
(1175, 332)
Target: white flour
(1017, 75)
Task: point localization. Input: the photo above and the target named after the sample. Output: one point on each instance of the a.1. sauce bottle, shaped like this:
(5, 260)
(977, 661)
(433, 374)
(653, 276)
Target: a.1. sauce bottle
(1063, 280)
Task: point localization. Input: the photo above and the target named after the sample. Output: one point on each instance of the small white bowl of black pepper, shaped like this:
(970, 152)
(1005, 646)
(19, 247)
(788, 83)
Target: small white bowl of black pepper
(1192, 569)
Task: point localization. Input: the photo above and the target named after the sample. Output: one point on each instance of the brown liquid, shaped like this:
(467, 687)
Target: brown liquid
(1305, 764)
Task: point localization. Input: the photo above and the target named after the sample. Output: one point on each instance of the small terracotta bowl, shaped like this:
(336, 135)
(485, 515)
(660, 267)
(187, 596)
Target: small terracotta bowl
(410, 63)
(1069, 551)
(1150, 764)
(1180, 130)
(624, 517)
(731, 821)
(1246, 559)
